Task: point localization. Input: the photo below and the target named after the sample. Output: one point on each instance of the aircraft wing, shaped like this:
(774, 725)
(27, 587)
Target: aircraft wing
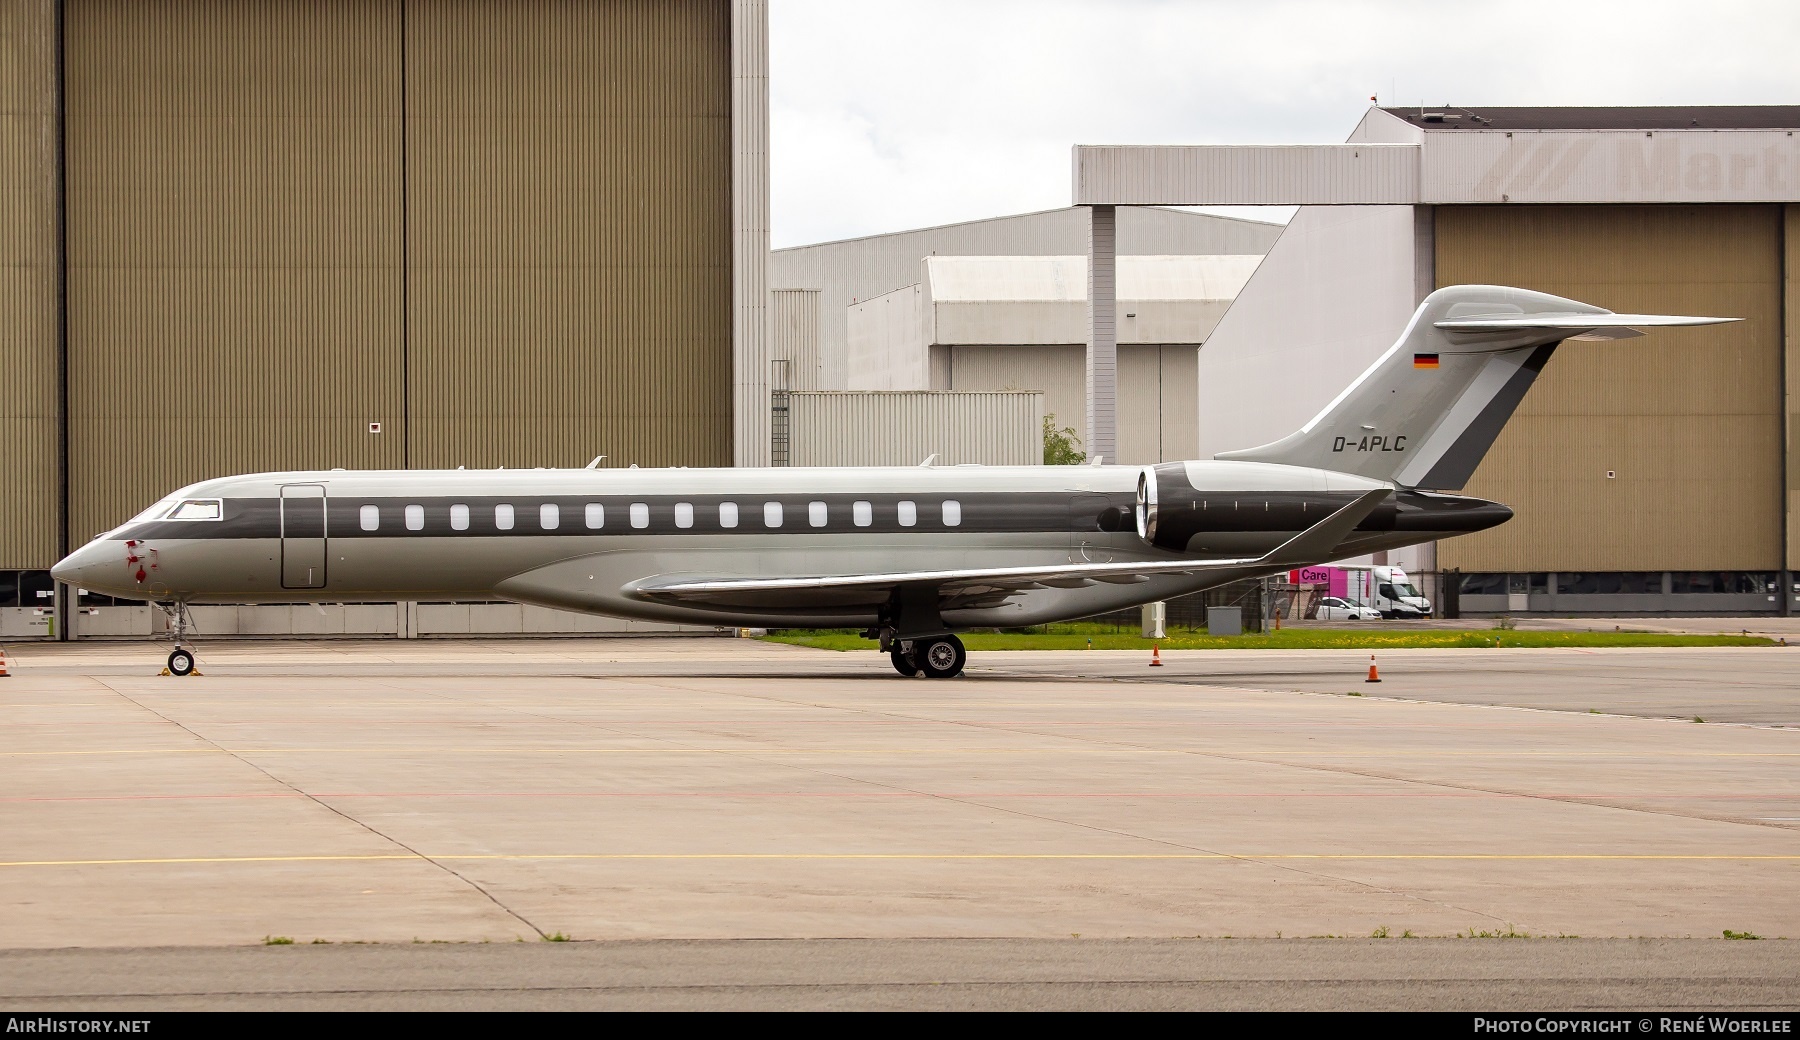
(1316, 543)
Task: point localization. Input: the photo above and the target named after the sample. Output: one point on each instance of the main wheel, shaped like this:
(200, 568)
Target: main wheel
(903, 662)
(181, 662)
(940, 656)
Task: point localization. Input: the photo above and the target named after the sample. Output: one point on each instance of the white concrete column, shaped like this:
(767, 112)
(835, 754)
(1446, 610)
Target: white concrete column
(750, 326)
(1424, 252)
(1103, 335)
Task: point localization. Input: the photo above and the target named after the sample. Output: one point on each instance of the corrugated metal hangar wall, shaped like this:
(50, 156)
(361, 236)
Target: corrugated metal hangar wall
(502, 230)
(30, 437)
(1687, 422)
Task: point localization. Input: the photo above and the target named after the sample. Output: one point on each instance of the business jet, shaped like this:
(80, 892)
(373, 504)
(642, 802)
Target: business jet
(911, 555)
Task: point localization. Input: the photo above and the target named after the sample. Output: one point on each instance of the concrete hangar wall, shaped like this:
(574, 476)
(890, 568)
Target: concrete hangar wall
(1016, 326)
(850, 271)
(1650, 474)
(239, 234)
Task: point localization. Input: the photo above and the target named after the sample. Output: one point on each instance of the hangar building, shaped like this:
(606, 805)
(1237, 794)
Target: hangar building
(1649, 475)
(1016, 324)
(848, 271)
(991, 323)
(246, 235)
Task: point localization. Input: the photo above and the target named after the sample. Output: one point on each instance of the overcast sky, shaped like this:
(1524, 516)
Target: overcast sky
(921, 112)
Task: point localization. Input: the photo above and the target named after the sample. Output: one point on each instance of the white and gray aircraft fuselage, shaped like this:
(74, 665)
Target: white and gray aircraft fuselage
(910, 554)
(586, 540)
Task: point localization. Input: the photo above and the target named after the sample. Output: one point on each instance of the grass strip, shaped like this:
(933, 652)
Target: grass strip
(1106, 637)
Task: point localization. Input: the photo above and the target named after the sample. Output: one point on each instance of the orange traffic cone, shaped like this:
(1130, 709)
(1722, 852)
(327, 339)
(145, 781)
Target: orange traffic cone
(5, 670)
(1155, 655)
(1374, 676)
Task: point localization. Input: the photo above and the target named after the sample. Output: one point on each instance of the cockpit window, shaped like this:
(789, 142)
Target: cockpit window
(197, 509)
(156, 510)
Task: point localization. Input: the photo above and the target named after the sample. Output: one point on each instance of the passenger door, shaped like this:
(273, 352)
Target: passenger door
(302, 536)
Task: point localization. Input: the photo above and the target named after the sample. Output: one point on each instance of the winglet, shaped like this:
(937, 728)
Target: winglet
(1320, 541)
(930, 460)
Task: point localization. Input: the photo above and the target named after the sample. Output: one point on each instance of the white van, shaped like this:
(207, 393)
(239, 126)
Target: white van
(1394, 595)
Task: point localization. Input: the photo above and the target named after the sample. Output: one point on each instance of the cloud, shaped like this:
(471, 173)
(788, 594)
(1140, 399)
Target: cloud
(898, 116)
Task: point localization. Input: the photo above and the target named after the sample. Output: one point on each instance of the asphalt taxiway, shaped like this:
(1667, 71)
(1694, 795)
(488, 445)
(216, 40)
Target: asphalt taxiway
(711, 790)
(1680, 976)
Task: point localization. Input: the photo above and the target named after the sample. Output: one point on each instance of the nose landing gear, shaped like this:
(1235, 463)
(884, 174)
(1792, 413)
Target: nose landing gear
(181, 659)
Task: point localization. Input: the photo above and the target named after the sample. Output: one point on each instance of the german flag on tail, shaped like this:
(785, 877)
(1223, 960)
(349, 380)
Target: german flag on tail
(1425, 361)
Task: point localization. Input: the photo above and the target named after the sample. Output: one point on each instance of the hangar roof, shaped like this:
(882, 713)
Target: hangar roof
(1659, 117)
(962, 279)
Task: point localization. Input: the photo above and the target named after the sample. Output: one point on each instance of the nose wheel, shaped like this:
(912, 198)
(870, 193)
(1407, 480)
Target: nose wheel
(181, 659)
(939, 657)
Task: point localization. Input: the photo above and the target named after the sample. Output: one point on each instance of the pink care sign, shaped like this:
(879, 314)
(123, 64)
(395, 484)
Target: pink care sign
(1333, 581)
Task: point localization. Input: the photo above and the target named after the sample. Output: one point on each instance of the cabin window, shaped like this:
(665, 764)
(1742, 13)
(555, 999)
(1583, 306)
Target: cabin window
(952, 512)
(197, 509)
(727, 514)
(459, 518)
(815, 514)
(640, 514)
(503, 516)
(596, 516)
(684, 514)
(415, 518)
(909, 514)
(862, 513)
(371, 517)
(549, 516)
(771, 514)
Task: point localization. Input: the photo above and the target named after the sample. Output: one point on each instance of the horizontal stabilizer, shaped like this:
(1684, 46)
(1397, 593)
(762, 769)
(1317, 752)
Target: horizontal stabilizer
(1500, 322)
(1585, 327)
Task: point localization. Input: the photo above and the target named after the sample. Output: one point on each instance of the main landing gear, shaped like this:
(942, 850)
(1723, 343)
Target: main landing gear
(914, 608)
(939, 657)
(181, 659)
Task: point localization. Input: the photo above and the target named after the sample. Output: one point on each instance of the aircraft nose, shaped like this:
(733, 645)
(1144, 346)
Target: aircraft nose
(68, 570)
(87, 567)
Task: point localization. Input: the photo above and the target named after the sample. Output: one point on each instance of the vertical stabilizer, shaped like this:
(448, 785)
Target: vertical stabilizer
(1426, 412)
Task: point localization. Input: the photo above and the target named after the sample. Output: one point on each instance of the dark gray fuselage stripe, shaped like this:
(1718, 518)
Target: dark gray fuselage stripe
(985, 513)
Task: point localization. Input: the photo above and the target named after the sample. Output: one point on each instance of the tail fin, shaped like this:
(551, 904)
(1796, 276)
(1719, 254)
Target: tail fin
(1426, 412)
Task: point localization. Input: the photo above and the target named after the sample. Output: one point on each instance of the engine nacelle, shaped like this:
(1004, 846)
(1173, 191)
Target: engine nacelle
(1235, 507)
(1146, 504)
